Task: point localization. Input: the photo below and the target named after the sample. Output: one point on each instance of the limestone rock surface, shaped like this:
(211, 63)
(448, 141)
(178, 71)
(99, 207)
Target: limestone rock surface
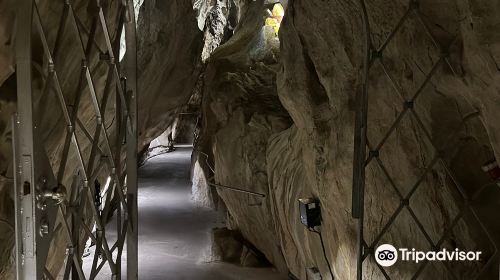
(170, 44)
(318, 74)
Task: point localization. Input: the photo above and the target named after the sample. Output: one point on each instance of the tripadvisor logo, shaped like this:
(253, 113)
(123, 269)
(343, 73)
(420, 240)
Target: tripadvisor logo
(387, 255)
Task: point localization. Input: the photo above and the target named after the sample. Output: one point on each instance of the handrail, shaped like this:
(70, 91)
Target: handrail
(206, 159)
(224, 186)
(237, 189)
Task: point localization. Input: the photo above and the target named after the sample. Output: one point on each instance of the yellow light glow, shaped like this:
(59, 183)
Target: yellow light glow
(276, 17)
(278, 11)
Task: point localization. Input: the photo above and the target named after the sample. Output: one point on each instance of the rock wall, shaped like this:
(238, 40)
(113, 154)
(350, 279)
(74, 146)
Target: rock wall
(241, 109)
(317, 86)
(253, 146)
(7, 16)
(169, 47)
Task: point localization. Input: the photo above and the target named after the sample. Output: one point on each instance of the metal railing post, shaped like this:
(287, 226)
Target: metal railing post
(27, 266)
(360, 130)
(131, 71)
(34, 214)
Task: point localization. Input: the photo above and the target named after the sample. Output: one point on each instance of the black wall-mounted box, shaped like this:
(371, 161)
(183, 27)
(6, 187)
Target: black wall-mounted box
(310, 212)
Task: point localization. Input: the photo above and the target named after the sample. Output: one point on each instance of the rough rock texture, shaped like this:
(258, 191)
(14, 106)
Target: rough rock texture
(321, 60)
(169, 48)
(179, 132)
(218, 19)
(200, 191)
(7, 15)
(241, 110)
(231, 247)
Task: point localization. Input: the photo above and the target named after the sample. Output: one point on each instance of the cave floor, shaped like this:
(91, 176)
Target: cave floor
(174, 235)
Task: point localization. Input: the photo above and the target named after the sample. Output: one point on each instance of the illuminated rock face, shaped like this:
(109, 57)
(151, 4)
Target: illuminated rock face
(317, 77)
(170, 44)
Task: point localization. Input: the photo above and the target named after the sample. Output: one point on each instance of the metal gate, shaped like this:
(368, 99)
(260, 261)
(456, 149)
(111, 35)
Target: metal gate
(67, 66)
(368, 151)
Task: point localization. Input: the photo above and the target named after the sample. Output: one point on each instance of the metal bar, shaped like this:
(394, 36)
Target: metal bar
(360, 130)
(92, 90)
(237, 189)
(31, 158)
(396, 29)
(394, 84)
(71, 246)
(76, 27)
(87, 32)
(88, 231)
(112, 61)
(105, 32)
(98, 269)
(386, 276)
(60, 31)
(360, 147)
(47, 274)
(121, 226)
(87, 134)
(26, 257)
(76, 103)
(119, 132)
(48, 55)
(100, 227)
(388, 224)
(120, 236)
(97, 133)
(360, 125)
(67, 264)
(70, 128)
(104, 216)
(429, 76)
(420, 226)
(206, 160)
(390, 131)
(59, 94)
(132, 150)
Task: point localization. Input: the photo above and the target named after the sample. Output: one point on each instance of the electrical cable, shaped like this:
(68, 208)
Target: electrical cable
(112, 121)
(324, 251)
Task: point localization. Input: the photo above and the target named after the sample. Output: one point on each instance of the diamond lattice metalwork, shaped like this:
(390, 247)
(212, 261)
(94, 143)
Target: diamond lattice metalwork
(368, 151)
(57, 201)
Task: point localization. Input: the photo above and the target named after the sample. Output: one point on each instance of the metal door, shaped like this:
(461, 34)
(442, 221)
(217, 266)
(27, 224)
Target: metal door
(67, 65)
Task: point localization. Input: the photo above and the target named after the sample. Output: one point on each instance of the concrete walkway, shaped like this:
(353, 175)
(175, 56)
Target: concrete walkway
(174, 235)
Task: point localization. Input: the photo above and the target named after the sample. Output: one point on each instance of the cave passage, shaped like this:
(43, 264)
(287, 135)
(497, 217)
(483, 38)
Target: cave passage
(174, 234)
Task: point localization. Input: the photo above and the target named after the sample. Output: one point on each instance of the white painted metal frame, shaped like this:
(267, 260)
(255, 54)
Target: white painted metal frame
(44, 204)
